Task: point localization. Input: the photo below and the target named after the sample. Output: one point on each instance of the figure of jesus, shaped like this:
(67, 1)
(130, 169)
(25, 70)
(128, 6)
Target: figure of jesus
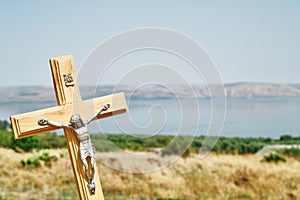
(86, 147)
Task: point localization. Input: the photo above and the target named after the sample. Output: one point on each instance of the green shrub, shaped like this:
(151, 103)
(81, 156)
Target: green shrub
(35, 161)
(25, 144)
(4, 125)
(31, 162)
(274, 157)
(294, 152)
(47, 158)
(42, 141)
(51, 140)
(5, 138)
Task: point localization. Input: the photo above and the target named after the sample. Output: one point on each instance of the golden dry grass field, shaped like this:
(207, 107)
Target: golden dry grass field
(215, 177)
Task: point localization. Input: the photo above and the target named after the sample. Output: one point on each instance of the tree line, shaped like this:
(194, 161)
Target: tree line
(169, 145)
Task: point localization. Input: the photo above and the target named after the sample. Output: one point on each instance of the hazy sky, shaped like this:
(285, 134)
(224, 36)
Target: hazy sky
(248, 40)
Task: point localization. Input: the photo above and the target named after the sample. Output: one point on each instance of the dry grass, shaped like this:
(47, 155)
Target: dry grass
(216, 177)
(18, 182)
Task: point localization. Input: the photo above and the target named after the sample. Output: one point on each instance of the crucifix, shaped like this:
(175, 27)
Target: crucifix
(69, 101)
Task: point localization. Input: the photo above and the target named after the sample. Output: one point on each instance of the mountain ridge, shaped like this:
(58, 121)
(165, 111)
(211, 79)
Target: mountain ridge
(232, 90)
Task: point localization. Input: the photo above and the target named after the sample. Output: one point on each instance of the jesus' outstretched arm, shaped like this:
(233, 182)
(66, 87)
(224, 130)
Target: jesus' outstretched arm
(48, 122)
(103, 108)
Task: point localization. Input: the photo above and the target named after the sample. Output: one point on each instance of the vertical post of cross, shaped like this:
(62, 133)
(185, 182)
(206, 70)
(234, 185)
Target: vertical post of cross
(61, 66)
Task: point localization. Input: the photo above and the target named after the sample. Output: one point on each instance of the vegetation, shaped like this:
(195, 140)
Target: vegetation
(35, 161)
(42, 141)
(113, 142)
(169, 144)
(4, 125)
(223, 146)
(31, 162)
(223, 176)
(294, 152)
(274, 157)
(229, 173)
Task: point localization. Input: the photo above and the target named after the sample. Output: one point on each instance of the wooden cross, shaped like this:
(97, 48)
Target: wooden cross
(69, 101)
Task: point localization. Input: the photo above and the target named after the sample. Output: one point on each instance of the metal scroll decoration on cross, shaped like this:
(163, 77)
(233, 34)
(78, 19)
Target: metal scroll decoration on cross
(69, 81)
(86, 148)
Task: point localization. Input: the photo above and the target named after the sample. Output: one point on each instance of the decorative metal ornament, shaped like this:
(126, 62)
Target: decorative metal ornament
(69, 81)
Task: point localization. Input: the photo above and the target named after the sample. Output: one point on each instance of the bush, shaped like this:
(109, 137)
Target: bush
(42, 141)
(285, 138)
(274, 157)
(31, 162)
(51, 140)
(25, 144)
(5, 139)
(35, 161)
(294, 152)
(47, 158)
(4, 125)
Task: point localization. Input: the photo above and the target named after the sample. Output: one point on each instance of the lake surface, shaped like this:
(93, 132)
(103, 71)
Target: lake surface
(257, 117)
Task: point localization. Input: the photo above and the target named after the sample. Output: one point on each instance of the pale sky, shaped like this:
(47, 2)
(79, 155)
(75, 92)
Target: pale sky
(255, 41)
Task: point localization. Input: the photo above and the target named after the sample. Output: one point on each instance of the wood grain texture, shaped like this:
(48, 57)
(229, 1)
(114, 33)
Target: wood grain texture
(69, 102)
(59, 67)
(64, 94)
(26, 124)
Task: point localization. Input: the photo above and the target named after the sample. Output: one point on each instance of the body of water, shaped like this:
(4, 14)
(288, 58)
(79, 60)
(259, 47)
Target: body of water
(256, 117)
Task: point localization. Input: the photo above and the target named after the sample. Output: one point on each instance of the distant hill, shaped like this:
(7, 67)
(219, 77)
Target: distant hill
(26, 94)
(233, 90)
(248, 90)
